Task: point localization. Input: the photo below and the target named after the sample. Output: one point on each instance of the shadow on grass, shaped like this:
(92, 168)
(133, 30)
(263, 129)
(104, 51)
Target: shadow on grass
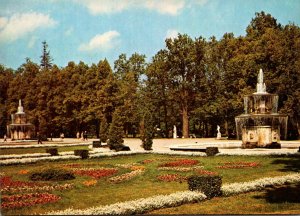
(282, 194)
(291, 163)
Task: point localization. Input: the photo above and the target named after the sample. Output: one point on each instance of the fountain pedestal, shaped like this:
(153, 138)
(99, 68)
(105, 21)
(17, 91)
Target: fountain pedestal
(261, 126)
(20, 129)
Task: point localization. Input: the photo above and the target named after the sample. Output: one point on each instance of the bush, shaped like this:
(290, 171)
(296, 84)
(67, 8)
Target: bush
(52, 151)
(115, 135)
(104, 127)
(209, 185)
(97, 144)
(147, 140)
(83, 153)
(52, 175)
(211, 151)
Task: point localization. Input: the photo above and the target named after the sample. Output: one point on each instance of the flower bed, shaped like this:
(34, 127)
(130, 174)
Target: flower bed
(180, 169)
(67, 155)
(6, 181)
(27, 200)
(238, 165)
(180, 162)
(34, 160)
(90, 182)
(126, 176)
(138, 206)
(42, 146)
(163, 201)
(7, 185)
(147, 161)
(206, 172)
(236, 188)
(171, 177)
(96, 173)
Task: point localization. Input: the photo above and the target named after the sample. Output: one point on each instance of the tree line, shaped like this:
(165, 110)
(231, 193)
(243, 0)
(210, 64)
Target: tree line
(193, 83)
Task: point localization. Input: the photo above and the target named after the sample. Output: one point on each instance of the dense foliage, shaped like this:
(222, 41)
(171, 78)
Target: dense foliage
(210, 185)
(52, 175)
(195, 84)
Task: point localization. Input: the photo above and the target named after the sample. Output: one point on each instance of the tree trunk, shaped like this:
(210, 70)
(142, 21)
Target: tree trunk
(226, 127)
(185, 122)
(166, 121)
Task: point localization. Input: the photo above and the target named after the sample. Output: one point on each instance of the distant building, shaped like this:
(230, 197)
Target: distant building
(20, 129)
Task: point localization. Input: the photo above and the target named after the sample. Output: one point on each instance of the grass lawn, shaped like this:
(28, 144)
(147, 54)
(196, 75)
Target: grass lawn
(147, 184)
(279, 200)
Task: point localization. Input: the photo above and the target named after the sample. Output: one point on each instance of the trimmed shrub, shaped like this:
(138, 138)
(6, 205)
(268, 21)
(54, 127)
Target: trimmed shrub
(116, 132)
(97, 144)
(209, 185)
(125, 148)
(212, 151)
(103, 132)
(52, 151)
(83, 153)
(52, 175)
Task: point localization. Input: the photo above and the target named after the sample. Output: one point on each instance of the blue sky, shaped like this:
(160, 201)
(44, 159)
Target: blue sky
(91, 30)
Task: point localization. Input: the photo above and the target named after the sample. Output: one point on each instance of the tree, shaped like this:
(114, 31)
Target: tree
(6, 76)
(46, 60)
(185, 65)
(104, 126)
(128, 73)
(116, 131)
(158, 84)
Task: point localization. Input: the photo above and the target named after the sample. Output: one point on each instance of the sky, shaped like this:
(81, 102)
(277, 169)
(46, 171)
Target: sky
(91, 30)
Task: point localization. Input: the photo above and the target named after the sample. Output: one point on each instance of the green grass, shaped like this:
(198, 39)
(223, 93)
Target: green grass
(39, 150)
(148, 185)
(271, 201)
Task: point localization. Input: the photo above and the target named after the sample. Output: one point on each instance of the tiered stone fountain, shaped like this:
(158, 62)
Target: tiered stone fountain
(261, 125)
(20, 129)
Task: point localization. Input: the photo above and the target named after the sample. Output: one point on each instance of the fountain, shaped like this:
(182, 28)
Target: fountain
(261, 125)
(20, 129)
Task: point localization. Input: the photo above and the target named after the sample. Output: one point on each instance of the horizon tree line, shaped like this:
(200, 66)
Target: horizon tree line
(193, 83)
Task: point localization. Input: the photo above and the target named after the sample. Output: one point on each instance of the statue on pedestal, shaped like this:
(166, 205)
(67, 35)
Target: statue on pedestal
(219, 133)
(174, 132)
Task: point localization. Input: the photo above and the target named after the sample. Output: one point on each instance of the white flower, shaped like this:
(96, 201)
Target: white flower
(44, 145)
(236, 188)
(138, 206)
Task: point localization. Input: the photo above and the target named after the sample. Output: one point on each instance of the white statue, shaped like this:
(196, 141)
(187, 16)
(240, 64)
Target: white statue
(219, 133)
(174, 132)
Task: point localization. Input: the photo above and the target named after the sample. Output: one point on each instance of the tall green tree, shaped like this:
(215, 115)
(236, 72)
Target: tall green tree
(46, 59)
(116, 131)
(185, 61)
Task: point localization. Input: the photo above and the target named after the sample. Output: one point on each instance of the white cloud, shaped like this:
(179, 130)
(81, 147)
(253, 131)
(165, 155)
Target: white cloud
(171, 7)
(20, 25)
(3, 22)
(102, 42)
(172, 33)
(106, 6)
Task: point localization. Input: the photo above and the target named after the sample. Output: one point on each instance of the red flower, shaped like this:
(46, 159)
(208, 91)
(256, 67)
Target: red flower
(181, 162)
(238, 165)
(6, 181)
(206, 172)
(23, 200)
(171, 177)
(96, 173)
